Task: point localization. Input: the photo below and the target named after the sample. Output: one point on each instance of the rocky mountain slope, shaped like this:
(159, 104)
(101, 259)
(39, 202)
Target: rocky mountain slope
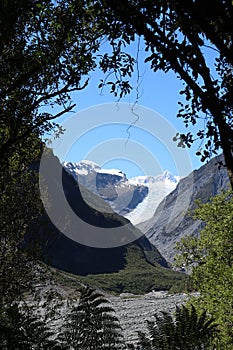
(172, 219)
(69, 255)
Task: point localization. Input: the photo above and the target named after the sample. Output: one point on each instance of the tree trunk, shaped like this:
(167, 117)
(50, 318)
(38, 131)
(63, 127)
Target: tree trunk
(227, 147)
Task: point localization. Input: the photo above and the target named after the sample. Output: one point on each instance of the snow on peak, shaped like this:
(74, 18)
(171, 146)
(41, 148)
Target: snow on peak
(111, 172)
(142, 180)
(84, 167)
(167, 176)
(87, 164)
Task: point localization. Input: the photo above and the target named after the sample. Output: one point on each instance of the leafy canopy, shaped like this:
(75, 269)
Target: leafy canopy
(92, 324)
(47, 49)
(181, 36)
(185, 331)
(211, 258)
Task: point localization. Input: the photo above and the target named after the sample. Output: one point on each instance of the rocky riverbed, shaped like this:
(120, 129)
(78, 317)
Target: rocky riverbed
(134, 310)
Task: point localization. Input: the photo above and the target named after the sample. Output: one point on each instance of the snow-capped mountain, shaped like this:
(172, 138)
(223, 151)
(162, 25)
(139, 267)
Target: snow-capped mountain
(111, 185)
(136, 198)
(165, 177)
(81, 168)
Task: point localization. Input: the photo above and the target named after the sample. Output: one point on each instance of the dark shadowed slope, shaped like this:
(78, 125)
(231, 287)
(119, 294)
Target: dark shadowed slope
(63, 253)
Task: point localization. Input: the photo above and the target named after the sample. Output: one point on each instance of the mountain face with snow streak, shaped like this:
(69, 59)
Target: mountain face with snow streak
(136, 198)
(111, 185)
(86, 167)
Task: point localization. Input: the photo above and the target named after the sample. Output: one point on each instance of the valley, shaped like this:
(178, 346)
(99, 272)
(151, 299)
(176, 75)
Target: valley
(164, 212)
(136, 267)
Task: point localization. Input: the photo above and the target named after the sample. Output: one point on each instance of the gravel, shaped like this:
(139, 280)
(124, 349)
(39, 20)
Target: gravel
(134, 310)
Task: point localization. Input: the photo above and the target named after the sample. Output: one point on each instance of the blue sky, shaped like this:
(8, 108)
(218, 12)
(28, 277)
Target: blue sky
(158, 92)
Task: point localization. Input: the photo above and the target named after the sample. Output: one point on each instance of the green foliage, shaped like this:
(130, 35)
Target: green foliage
(21, 329)
(92, 324)
(20, 205)
(186, 331)
(47, 50)
(138, 277)
(43, 46)
(210, 256)
(42, 51)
